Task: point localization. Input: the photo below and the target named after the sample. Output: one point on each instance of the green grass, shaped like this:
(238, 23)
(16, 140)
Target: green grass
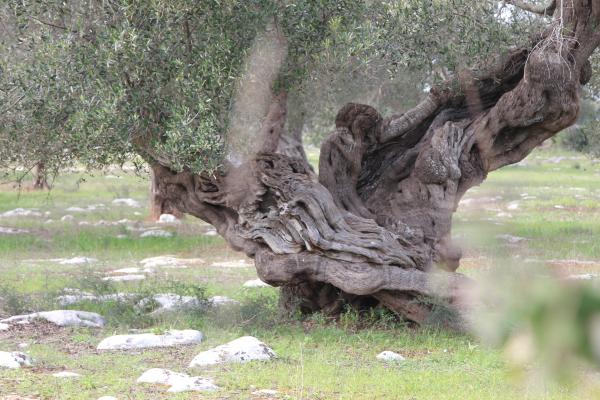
(317, 358)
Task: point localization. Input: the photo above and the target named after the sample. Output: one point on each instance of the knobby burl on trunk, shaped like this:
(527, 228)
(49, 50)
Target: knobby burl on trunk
(374, 228)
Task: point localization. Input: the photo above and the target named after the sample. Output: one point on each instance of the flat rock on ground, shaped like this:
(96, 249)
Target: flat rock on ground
(126, 202)
(61, 318)
(156, 233)
(66, 374)
(232, 264)
(169, 262)
(149, 340)
(77, 261)
(14, 360)
(219, 301)
(389, 356)
(4, 327)
(125, 278)
(171, 302)
(78, 297)
(178, 382)
(255, 283)
(244, 349)
(22, 212)
(12, 231)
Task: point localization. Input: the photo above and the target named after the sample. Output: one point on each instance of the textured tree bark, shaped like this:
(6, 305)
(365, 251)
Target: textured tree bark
(160, 205)
(375, 228)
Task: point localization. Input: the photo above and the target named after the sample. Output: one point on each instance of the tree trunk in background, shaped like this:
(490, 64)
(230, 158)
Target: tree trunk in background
(160, 205)
(375, 227)
(40, 177)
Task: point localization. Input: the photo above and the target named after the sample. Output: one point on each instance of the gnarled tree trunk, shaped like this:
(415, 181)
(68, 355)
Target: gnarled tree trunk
(375, 226)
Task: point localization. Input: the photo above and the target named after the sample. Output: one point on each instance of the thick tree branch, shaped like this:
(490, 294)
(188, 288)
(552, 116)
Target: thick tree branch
(534, 8)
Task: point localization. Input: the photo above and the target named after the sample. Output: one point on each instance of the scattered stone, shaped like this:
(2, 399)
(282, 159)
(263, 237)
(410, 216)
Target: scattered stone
(76, 210)
(169, 262)
(68, 299)
(84, 223)
(265, 392)
(513, 205)
(77, 260)
(12, 231)
(221, 301)
(582, 277)
(22, 212)
(156, 233)
(14, 360)
(178, 382)
(125, 278)
(23, 345)
(559, 207)
(4, 327)
(390, 356)
(61, 318)
(126, 202)
(171, 302)
(511, 239)
(150, 340)
(503, 214)
(66, 374)
(67, 218)
(232, 264)
(256, 283)
(211, 232)
(132, 270)
(244, 349)
(168, 219)
(49, 221)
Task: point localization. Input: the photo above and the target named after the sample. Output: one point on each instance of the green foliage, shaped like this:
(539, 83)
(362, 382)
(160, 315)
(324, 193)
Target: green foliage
(98, 82)
(585, 136)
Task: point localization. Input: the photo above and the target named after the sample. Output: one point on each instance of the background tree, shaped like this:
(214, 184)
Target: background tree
(202, 92)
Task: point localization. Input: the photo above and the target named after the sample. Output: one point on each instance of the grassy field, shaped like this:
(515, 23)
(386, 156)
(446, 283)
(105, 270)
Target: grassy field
(548, 204)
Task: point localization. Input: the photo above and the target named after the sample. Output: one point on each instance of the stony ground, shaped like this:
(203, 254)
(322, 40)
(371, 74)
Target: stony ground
(79, 242)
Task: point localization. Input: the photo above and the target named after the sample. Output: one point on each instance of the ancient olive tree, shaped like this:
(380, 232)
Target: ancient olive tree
(210, 93)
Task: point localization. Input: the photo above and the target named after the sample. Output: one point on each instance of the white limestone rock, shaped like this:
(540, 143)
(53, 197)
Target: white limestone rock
(66, 374)
(156, 233)
(4, 327)
(232, 264)
(511, 239)
(244, 349)
(168, 219)
(125, 278)
(127, 202)
(178, 382)
(67, 218)
(22, 212)
(256, 283)
(265, 392)
(61, 318)
(171, 302)
(12, 231)
(390, 356)
(149, 340)
(222, 301)
(169, 262)
(69, 299)
(14, 360)
(77, 261)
